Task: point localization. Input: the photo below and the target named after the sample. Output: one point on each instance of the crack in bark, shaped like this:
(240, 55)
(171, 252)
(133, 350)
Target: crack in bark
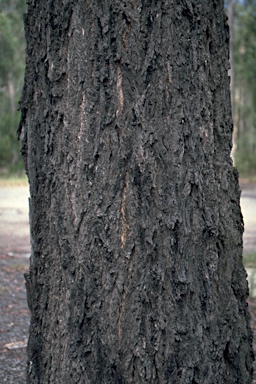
(119, 89)
(123, 299)
(124, 219)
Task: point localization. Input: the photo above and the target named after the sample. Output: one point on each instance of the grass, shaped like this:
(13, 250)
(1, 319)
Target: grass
(14, 182)
(247, 180)
(249, 260)
(9, 180)
(15, 267)
(10, 176)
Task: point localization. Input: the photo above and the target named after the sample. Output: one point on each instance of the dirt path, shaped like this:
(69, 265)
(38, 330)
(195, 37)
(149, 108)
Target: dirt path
(14, 320)
(14, 259)
(14, 221)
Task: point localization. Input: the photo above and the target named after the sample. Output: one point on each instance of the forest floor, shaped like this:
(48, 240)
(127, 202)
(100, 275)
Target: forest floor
(14, 261)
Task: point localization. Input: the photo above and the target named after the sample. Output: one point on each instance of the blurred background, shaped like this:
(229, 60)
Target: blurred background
(242, 21)
(12, 66)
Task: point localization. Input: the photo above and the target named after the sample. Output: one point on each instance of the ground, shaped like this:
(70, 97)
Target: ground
(14, 321)
(14, 260)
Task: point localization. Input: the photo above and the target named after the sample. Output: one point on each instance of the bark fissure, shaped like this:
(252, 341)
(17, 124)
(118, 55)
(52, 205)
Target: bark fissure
(119, 90)
(125, 225)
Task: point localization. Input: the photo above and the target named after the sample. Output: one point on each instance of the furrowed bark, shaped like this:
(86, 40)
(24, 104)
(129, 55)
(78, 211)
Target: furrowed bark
(136, 271)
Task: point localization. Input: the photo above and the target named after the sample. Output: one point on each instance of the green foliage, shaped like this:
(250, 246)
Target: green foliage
(245, 84)
(245, 43)
(245, 159)
(12, 64)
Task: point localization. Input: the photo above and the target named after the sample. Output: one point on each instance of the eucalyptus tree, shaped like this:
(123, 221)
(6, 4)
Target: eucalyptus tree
(136, 271)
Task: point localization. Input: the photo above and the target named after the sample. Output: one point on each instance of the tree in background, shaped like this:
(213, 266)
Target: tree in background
(245, 84)
(12, 63)
(136, 271)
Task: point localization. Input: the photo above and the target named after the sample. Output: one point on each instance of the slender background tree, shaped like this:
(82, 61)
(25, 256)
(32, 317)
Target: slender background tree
(12, 64)
(136, 271)
(245, 85)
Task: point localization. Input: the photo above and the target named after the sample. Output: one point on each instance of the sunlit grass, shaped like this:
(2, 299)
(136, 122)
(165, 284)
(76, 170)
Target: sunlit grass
(13, 180)
(249, 260)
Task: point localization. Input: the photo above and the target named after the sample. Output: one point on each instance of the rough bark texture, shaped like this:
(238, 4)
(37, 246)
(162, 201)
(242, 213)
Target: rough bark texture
(136, 270)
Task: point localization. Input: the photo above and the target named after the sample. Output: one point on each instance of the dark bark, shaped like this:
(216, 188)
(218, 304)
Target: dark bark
(136, 271)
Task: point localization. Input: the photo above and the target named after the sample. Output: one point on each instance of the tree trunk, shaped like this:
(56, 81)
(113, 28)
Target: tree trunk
(136, 271)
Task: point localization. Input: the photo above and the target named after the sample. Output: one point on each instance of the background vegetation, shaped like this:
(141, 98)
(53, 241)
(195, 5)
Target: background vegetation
(244, 85)
(12, 65)
(243, 52)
